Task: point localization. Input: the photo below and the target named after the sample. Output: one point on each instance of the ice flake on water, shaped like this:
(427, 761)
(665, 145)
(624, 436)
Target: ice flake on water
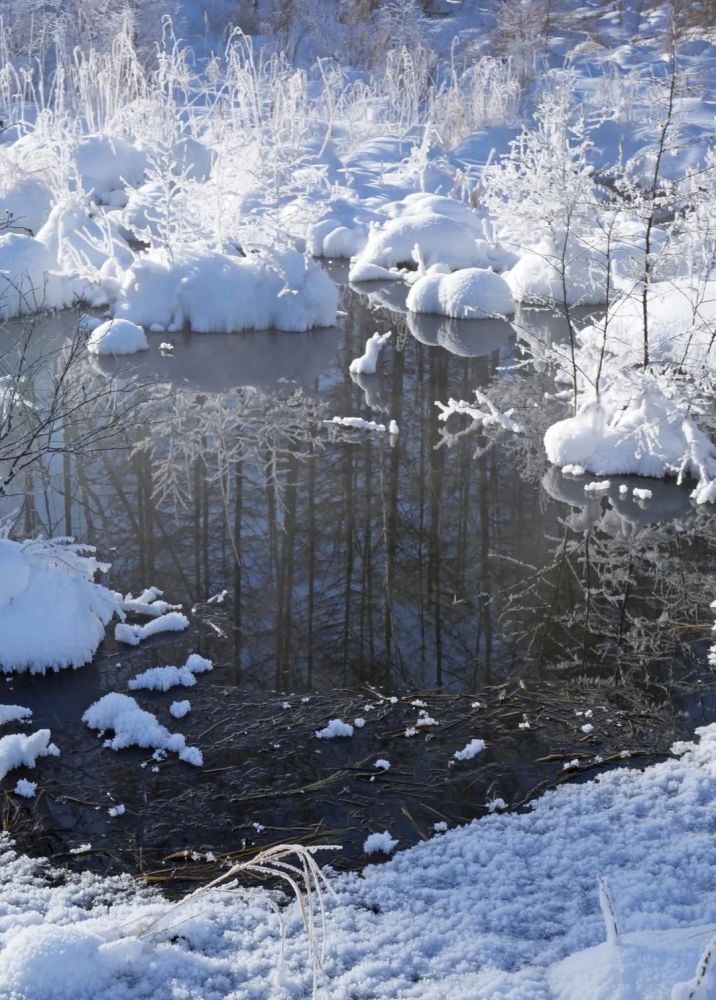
(359, 723)
(470, 750)
(379, 843)
(25, 788)
(117, 810)
(640, 494)
(587, 727)
(334, 728)
(382, 764)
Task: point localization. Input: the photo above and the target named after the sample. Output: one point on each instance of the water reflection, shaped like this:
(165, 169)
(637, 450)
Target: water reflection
(350, 558)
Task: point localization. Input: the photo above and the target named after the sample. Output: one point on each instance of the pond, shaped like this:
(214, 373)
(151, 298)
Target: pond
(444, 573)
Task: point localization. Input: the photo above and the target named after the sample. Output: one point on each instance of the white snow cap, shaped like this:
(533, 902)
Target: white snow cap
(19, 750)
(163, 678)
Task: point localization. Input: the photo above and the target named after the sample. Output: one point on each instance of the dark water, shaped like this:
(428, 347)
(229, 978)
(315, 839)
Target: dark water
(443, 562)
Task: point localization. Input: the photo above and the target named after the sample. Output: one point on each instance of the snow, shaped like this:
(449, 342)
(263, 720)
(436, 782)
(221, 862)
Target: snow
(641, 494)
(359, 424)
(382, 764)
(472, 293)
(26, 789)
(133, 726)
(208, 291)
(379, 843)
(19, 750)
(366, 363)
(334, 728)
(507, 906)
(14, 713)
(117, 336)
(118, 810)
(30, 278)
(163, 678)
(51, 581)
(180, 708)
(470, 750)
(173, 621)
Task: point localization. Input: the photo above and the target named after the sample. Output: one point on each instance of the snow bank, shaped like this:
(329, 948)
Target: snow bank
(209, 291)
(636, 430)
(472, 293)
(117, 336)
(133, 726)
(106, 164)
(51, 582)
(507, 907)
(19, 750)
(163, 678)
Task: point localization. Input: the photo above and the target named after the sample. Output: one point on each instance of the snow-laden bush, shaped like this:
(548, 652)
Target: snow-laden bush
(51, 581)
(471, 293)
(209, 291)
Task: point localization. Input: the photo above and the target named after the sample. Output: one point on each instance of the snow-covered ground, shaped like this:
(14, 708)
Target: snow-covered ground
(600, 890)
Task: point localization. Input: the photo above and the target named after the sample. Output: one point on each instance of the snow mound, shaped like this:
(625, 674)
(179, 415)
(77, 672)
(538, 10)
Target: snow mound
(106, 164)
(208, 291)
(133, 726)
(26, 789)
(472, 293)
(472, 749)
(180, 708)
(436, 238)
(19, 750)
(51, 581)
(117, 336)
(163, 678)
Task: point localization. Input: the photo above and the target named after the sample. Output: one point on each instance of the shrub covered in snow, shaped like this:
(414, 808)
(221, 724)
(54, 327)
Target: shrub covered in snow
(52, 582)
(472, 293)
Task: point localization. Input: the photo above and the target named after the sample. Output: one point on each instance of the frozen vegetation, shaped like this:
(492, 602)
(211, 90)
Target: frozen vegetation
(193, 174)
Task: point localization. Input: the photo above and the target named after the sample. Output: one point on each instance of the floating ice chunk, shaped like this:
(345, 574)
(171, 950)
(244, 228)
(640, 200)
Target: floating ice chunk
(472, 749)
(336, 727)
(133, 726)
(366, 363)
(597, 487)
(165, 347)
(14, 713)
(19, 750)
(382, 764)
(379, 843)
(163, 678)
(117, 336)
(25, 788)
(573, 470)
(180, 708)
(440, 827)
(134, 634)
(640, 494)
(117, 810)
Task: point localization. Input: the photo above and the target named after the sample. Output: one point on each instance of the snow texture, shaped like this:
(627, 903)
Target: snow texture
(472, 293)
(366, 363)
(173, 621)
(163, 678)
(333, 729)
(117, 336)
(19, 750)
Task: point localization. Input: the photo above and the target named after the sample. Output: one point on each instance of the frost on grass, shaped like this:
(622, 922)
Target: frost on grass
(333, 729)
(19, 750)
(379, 843)
(51, 582)
(133, 726)
(163, 678)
